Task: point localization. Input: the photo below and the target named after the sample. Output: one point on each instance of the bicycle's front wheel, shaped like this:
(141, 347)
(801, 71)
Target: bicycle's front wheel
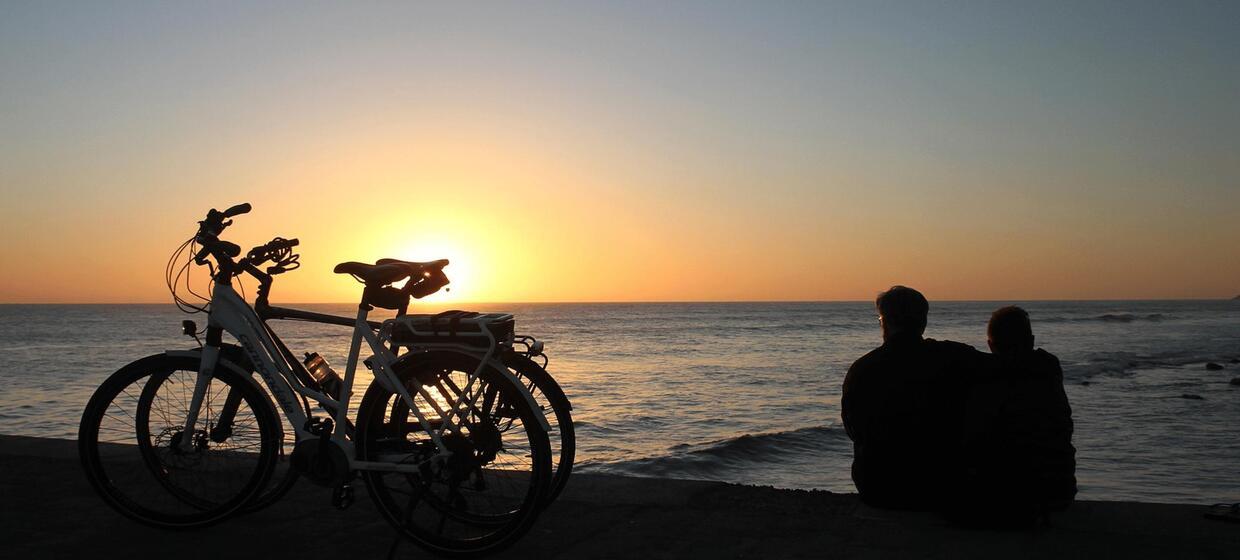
(138, 456)
(487, 491)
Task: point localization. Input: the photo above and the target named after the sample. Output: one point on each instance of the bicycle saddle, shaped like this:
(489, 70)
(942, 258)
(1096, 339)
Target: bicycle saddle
(377, 274)
(421, 266)
(387, 271)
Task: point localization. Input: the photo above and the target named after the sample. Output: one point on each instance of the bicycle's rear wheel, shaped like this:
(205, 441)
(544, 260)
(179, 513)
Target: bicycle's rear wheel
(552, 402)
(126, 443)
(489, 492)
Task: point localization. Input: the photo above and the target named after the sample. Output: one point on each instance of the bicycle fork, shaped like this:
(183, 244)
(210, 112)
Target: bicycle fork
(206, 371)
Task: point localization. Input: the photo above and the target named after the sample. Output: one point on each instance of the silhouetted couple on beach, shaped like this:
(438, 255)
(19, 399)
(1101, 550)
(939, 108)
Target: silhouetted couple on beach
(938, 425)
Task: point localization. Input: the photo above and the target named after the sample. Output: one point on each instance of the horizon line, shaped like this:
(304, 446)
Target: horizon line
(631, 302)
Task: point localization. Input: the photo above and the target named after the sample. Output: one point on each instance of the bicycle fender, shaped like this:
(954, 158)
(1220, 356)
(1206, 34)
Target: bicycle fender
(539, 375)
(525, 393)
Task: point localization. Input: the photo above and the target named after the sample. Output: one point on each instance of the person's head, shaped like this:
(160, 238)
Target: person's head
(1009, 331)
(902, 311)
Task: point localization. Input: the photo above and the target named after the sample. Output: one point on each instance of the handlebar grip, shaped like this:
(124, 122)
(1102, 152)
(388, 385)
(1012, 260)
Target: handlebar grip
(278, 244)
(215, 247)
(230, 249)
(273, 250)
(243, 208)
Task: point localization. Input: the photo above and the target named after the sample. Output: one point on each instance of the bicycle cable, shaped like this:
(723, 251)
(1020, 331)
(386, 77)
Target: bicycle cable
(174, 272)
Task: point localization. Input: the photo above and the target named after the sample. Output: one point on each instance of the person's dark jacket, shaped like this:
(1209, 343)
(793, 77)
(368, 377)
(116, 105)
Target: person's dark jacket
(903, 409)
(1019, 436)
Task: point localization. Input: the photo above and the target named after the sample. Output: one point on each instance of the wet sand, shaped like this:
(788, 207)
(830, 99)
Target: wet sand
(50, 511)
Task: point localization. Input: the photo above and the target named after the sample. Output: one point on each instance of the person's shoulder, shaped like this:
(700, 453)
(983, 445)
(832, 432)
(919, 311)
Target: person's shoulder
(973, 365)
(1043, 355)
(950, 344)
(950, 347)
(1044, 361)
(869, 358)
(862, 372)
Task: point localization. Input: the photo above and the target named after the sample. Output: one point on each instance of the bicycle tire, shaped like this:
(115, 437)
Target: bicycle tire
(547, 393)
(400, 410)
(561, 436)
(490, 501)
(549, 397)
(111, 445)
(283, 476)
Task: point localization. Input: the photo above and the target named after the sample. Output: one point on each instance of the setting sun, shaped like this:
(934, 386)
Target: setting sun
(464, 286)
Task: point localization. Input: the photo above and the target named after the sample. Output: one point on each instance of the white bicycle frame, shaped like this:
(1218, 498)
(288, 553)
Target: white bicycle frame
(230, 312)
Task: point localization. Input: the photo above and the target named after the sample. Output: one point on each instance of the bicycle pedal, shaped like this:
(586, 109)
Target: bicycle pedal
(342, 497)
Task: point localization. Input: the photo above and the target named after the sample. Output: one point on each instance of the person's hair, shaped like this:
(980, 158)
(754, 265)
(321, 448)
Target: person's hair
(904, 310)
(1009, 330)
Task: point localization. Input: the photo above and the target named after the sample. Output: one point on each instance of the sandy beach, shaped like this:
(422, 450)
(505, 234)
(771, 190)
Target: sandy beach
(51, 512)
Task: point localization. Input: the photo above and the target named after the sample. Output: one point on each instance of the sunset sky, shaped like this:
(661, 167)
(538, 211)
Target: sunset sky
(633, 151)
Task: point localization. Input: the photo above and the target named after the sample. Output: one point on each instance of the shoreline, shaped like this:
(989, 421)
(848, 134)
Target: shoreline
(51, 512)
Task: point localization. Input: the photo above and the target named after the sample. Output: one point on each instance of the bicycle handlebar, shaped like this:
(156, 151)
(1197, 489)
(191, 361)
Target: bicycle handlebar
(209, 230)
(277, 249)
(216, 221)
(243, 208)
(216, 247)
(277, 244)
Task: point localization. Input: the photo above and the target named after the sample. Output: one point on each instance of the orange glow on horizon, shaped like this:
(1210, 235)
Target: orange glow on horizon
(759, 159)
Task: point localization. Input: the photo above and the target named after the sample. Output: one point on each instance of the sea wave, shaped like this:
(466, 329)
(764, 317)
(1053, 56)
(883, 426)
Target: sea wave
(1127, 363)
(1128, 317)
(584, 426)
(1104, 318)
(714, 459)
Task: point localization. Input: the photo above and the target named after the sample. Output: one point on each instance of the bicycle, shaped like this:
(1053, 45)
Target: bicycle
(462, 467)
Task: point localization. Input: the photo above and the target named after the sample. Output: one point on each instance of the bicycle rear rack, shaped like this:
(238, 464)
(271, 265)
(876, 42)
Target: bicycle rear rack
(450, 328)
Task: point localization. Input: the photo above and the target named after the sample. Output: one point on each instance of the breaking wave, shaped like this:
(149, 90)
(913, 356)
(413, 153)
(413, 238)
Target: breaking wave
(1104, 318)
(1126, 363)
(715, 459)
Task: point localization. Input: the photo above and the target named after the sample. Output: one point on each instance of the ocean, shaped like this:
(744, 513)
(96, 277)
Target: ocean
(748, 392)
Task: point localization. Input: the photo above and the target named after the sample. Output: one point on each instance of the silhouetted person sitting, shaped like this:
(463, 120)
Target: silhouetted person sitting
(1019, 436)
(903, 408)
